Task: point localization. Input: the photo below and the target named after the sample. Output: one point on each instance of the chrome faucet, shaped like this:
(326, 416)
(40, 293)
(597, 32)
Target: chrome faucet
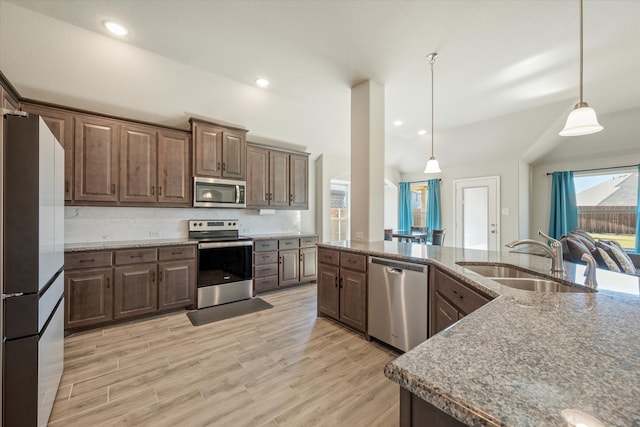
(554, 250)
(590, 271)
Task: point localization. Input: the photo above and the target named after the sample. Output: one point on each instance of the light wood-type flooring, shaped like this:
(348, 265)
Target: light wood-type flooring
(278, 367)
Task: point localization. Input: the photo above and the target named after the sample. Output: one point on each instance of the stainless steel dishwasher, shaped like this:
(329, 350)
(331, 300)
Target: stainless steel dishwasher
(398, 301)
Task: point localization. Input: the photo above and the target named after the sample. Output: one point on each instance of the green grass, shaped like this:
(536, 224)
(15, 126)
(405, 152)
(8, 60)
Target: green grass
(627, 241)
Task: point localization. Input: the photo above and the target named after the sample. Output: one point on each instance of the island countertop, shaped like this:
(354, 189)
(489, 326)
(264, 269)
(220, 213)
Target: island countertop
(525, 357)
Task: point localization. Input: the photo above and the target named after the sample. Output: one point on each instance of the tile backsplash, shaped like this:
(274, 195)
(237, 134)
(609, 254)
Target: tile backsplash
(105, 224)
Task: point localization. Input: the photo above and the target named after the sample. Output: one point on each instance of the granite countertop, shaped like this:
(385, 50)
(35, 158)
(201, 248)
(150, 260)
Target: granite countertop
(525, 357)
(279, 236)
(123, 244)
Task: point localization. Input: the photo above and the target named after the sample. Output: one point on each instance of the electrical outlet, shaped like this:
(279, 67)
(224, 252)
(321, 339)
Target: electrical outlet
(153, 234)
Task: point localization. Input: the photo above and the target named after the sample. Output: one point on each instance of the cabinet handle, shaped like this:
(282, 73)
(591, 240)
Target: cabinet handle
(108, 282)
(457, 294)
(351, 261)
(223, 166)
(336, 281)
(341, 283)
(290, 198)
(113, 189)
(176, 253)
(66, 186)
(218, 166)
(88, 260)
(160, 276)
(153, 190)
(301, 257)
(160, 190)
(266, 196)
(280, 262)
(153, 276)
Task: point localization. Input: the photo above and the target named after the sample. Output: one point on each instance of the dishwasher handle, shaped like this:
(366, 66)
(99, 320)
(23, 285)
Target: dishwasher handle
(394, 270)
(398, 266)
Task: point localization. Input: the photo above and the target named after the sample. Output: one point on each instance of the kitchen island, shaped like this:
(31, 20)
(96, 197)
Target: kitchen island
(525, 358)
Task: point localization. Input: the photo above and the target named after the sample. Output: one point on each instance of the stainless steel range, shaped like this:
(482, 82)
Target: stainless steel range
(224, 262)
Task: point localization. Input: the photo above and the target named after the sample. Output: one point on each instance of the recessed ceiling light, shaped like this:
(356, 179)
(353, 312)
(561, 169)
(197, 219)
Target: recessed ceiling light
(422, 132)
(397, 123)
(115, 28)
(262, 82)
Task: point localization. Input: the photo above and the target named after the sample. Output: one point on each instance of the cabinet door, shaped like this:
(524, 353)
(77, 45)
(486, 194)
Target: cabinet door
(174, 171)
(138, 164)
(353, 299)
(207, 142)
(88, 297)
(257, 176)
(233, 154)
(279, 178)
(444, 316)
(61, 124)
(308, 262)
(96, 159)
(289, 264)
(136, 290)
(299, 182)
(328, 290)
(176, 284)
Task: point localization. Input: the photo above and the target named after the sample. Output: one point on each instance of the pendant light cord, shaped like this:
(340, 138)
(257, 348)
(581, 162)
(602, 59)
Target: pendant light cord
(432, 59)
(581, 66)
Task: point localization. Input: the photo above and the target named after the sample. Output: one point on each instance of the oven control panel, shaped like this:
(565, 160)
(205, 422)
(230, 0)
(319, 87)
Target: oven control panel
(213, 224)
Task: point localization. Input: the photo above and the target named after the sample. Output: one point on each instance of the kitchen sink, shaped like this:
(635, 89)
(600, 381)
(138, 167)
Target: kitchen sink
(489, 270)
(539, 285)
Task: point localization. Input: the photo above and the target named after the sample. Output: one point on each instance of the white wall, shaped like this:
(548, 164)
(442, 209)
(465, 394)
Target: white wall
(390, 206)
(510, 173)
(327, 167)
(108, 224)
(541, 183)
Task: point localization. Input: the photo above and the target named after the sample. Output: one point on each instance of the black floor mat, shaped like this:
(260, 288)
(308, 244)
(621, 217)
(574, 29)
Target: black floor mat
(227, 311)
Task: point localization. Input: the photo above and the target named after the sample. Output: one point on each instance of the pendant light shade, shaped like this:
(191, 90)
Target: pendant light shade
(432, 164)
(582, 120)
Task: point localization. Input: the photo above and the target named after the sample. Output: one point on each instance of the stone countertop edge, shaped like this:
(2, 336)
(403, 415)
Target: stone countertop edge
(125, 244)
(426, 370)
(274, 236)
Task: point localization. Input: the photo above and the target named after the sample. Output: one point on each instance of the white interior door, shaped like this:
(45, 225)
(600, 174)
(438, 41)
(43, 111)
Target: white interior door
(477, 208)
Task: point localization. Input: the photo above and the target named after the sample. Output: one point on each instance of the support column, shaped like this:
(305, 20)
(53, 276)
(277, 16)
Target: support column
(367, 162)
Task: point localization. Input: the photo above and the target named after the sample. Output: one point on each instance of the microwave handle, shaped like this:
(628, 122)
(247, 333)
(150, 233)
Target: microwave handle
(237, 194)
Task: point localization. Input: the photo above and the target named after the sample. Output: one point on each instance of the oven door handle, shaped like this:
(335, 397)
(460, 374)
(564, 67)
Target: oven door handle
(210, 245)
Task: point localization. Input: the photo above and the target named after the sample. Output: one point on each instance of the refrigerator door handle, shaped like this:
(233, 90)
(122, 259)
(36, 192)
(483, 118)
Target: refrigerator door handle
(18, 294)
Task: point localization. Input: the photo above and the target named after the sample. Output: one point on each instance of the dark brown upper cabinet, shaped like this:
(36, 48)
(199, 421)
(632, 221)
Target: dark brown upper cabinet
(277, 178)
(96, 159)
(61, 124)
(138, 164)
(174, 171)
(219, 152)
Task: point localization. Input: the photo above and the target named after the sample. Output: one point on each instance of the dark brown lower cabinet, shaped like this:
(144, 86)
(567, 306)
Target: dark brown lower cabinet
(175, 284)
(416, 412)
(342, 287)
(88, 297)
(136, 290)
(107, 286)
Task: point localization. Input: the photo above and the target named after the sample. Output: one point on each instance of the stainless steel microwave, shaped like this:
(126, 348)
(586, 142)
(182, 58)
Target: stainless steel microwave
(218, 193)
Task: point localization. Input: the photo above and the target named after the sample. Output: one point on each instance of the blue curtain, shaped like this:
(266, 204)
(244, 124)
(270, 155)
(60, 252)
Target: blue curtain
(433, 204)
(405, 218)
(564, 212)
(638, 216)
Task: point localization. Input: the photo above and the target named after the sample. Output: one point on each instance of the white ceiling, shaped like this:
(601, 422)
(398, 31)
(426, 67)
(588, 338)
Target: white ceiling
(506, 75)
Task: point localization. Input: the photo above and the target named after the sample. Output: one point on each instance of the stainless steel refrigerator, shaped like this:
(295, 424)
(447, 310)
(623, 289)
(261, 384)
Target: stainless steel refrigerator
(32, 269)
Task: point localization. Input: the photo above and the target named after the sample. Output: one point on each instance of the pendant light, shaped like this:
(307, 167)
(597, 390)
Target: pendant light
(432, 163)
(582, 120)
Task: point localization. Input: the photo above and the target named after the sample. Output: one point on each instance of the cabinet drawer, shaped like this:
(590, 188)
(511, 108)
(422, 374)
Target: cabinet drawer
(466, 299)
(288, 243)
(265, 283)
(353, 261)
(176, 252)
(327, 256)
(263, 258)
(265, 245)
(76, 260)
(136, 256)
(306, 242)
(266, 270)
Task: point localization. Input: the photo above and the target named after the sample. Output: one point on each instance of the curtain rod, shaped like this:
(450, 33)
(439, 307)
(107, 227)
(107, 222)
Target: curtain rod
(599, 169)
(419, 182)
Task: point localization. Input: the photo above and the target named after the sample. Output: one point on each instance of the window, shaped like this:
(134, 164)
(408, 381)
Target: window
(339, 211)
(419, 204)
(607, 204)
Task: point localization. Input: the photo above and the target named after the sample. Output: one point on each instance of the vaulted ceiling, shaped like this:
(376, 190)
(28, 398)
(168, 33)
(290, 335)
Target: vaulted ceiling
(505, 79)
